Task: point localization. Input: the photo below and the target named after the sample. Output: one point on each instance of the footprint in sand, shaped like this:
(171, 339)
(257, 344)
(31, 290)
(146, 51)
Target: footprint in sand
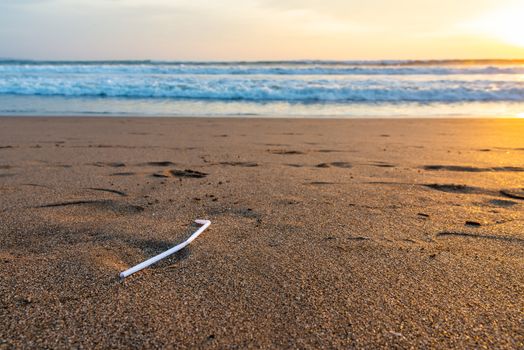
(188, 173)
(517, 193)
(320, 183)
(160, 163)
(471, 169)
(276, 144)
(453, 188)
(476, 235)
(344, 165)
(380, 164)
(502, 203)
(120, 193)
(328, 151)
(181, 173)
(123, 174)
(240, 164)
(284, 151)
(109, 164)
(358, 238)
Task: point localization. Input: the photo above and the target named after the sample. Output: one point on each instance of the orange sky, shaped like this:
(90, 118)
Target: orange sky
(261, 29)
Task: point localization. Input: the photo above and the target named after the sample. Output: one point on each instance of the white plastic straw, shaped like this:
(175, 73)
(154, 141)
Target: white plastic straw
(205, 224)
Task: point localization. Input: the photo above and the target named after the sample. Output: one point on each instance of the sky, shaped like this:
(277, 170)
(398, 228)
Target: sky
(261, 29)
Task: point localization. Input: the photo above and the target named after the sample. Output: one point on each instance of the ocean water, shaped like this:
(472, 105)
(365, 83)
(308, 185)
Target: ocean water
(482, 88)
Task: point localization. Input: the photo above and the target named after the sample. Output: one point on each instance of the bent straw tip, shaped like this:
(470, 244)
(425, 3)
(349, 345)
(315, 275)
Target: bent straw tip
(202, 222)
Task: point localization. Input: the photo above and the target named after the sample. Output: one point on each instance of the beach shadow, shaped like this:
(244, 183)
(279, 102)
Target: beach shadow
(105, 204)
(153, 247)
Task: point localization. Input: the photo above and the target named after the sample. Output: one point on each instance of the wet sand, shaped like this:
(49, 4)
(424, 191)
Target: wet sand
(325, 233)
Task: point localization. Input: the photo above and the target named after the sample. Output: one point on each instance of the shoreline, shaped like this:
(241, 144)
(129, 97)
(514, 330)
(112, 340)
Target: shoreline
(257, 117)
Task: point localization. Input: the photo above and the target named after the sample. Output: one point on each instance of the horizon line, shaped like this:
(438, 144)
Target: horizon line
(305, 60)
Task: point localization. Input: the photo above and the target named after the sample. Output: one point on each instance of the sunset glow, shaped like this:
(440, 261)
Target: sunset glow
(505, 24)
(261, 29)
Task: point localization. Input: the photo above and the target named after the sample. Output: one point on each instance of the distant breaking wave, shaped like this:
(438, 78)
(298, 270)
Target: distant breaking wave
(264, 68)
(450, 81)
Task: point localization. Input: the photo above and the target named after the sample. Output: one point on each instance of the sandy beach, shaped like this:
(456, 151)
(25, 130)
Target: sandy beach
(325, 233)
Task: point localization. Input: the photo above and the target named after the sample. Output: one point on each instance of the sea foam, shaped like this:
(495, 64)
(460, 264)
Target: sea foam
(306, 82)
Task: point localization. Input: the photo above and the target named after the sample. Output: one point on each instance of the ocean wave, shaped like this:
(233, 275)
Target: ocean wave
(260, 89)
(292, 81)
(256, 68)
